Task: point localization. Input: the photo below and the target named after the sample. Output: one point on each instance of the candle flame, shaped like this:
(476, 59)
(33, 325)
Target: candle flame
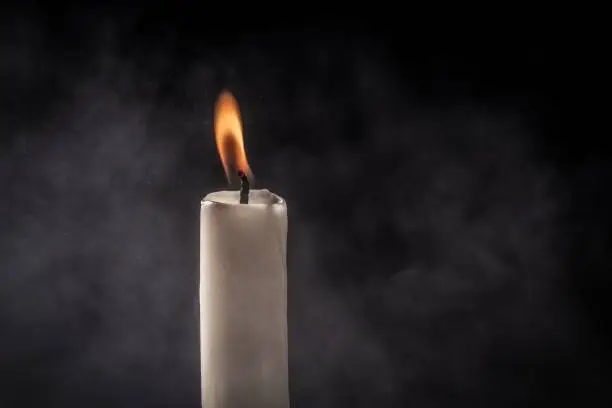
(228, 136)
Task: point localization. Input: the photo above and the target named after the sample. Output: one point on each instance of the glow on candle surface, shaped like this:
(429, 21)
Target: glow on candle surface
(243, 285)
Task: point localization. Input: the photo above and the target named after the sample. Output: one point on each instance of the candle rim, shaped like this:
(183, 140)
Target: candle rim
(257, 197)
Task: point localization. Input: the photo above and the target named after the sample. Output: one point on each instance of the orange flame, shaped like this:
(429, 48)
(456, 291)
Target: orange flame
(228, 136)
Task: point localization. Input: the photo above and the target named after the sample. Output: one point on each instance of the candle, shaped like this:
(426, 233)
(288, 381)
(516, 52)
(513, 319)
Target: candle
(243, 287)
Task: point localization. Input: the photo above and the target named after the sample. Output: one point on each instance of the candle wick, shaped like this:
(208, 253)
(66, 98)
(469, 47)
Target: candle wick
(244, 187)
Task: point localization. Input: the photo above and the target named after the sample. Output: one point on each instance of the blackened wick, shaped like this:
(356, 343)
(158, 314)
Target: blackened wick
(244, 187)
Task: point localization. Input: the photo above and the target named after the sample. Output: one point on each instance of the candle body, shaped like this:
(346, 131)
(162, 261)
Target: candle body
(243, 301)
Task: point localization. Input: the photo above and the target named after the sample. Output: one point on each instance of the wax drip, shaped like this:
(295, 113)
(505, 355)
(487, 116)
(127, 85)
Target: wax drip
(244, 187)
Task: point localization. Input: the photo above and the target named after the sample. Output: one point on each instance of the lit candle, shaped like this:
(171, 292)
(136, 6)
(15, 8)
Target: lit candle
(243, 286)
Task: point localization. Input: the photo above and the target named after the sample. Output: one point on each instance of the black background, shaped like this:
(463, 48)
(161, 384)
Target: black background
(449, 219)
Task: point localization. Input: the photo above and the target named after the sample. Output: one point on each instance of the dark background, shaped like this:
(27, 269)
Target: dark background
(449, 221)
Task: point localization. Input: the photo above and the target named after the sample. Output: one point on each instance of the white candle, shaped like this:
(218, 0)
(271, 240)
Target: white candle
(243, 299)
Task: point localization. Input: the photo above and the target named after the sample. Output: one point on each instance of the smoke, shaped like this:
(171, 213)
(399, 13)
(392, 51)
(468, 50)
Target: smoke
(425, 264)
